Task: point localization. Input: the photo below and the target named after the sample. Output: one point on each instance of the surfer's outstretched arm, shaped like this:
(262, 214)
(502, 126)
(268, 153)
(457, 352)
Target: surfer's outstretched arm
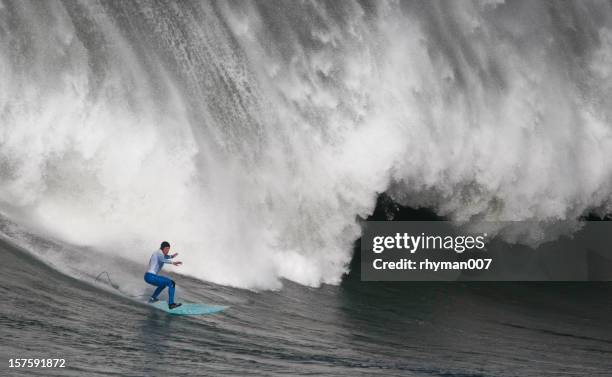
(167, 256)
(168, 259)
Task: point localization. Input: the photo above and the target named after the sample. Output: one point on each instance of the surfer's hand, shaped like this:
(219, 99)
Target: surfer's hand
(174, 255)
(177, 263)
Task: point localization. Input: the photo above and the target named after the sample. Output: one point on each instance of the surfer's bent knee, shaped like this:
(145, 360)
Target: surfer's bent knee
(172, 283)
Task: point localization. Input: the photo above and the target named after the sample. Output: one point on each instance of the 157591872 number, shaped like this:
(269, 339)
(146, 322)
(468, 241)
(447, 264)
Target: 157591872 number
(37, 363)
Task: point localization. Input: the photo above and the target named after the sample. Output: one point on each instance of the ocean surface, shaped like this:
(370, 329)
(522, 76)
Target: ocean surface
(352, 329)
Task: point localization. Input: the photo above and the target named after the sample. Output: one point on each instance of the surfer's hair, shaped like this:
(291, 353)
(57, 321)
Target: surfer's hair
(164, 244)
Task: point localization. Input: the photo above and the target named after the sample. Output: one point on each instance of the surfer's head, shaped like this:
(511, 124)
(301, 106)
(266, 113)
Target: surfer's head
(165, 247)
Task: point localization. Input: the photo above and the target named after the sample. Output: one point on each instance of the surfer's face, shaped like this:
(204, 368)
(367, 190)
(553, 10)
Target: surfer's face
(165, 250)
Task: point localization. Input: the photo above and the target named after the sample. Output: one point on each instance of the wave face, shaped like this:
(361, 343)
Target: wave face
(251, 134)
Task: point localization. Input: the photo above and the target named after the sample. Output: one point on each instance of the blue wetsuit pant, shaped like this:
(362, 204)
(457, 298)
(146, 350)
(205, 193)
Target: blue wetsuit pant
(161, 282)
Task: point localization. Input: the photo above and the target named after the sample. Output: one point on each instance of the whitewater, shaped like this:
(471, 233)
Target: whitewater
(254, 135)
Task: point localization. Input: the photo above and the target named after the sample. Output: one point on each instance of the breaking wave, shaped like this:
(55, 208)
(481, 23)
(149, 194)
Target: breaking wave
(253, 134)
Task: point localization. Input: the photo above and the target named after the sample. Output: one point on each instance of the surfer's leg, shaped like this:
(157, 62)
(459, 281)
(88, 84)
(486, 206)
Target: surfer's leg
(171, 292)
(157, 291)
(163, 282)
(159, 281)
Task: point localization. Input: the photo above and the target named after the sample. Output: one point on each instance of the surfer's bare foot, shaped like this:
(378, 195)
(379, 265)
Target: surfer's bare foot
(175, 305)
(152, 300)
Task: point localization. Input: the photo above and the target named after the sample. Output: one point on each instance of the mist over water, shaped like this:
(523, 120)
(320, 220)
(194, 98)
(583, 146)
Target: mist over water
(251, 134)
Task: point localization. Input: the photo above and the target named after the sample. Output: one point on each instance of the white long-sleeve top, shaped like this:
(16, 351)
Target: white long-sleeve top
(157, 261)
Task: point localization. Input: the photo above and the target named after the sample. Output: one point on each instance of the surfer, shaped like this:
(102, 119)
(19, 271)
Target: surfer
(157, 261)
